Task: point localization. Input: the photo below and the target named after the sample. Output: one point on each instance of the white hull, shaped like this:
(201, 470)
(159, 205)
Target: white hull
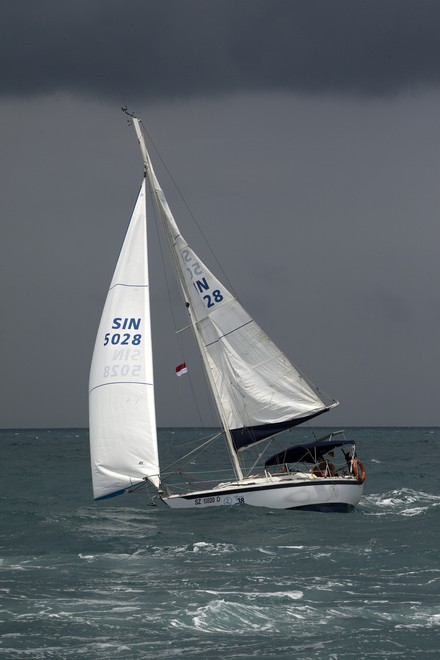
(297, 491)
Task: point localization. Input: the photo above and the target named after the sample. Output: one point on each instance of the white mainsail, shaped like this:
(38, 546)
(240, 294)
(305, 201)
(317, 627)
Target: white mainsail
(257, 390)
(123, 440)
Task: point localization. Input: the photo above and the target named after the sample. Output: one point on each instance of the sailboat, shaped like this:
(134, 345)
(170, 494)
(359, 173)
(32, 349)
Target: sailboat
(257, 391)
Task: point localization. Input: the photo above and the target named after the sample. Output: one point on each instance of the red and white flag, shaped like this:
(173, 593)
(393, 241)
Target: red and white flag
(181, 369)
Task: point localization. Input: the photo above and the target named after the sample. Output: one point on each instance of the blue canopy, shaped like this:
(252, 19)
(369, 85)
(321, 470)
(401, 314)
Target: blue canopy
(309, 453)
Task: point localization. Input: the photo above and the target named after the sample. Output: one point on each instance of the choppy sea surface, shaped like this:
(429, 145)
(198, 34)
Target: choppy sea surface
(124, 579)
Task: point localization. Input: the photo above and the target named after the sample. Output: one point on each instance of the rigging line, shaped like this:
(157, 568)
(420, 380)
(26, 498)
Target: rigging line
(324, 393)
(225, 277)
(179, 339)
(182, 473)
(206, 437)
(187, 327)
(192, 478)
(158, 206)
(152, 193)
(205, 444)
(261, 454)
(194, 324)
(270, 441)
(312, 431)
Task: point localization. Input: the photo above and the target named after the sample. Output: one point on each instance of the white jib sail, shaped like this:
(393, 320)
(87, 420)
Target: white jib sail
(123, 440)
(255, 383)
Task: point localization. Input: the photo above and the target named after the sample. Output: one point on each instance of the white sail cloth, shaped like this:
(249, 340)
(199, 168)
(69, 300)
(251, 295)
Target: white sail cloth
(254, 383)
(123, 437)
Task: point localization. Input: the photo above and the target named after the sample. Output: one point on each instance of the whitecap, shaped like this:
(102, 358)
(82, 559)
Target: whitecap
(292, 595)
(404, 502)
(213, 548)
(414, 512)
(200, 544)
(229, 617)
(266, 552)
(226, 617)
(421, 620)
(253, 595)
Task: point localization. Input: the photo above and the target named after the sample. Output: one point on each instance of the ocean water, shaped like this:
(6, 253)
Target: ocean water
(125, 579)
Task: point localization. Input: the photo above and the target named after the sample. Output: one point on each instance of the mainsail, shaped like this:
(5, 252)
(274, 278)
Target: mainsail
(121, 397)
(257, 390)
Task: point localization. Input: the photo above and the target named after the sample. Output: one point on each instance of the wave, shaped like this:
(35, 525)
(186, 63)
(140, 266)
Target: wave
(226, 616)
(402, 502)
(289, 595)
(213, 548)
(303, 621)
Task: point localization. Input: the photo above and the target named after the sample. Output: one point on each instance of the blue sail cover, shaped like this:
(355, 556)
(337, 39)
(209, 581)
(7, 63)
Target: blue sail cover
(249, 435)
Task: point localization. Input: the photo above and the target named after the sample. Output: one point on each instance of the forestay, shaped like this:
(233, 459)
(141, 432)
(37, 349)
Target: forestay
(121, 398)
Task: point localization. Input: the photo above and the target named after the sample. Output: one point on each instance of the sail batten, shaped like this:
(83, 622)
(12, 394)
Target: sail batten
(130, 286)
(230, 332)
(125, 382)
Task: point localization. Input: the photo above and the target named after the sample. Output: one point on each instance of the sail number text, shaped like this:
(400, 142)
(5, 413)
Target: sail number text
(123, 354)
(201, 284)
(124, 338)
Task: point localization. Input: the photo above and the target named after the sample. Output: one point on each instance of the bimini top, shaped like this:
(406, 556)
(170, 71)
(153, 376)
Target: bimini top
(309, 453)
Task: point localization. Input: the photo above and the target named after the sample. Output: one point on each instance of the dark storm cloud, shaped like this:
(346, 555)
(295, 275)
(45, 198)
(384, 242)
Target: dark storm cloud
(144, 50)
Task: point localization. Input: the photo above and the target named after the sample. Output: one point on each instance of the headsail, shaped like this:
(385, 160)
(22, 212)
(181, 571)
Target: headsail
(257, 390)
(121, 398)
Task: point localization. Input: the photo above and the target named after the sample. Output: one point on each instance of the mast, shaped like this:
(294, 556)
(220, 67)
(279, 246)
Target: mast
(172, 233)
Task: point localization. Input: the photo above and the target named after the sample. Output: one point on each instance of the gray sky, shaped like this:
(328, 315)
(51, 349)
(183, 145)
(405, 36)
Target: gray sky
(305, 138)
